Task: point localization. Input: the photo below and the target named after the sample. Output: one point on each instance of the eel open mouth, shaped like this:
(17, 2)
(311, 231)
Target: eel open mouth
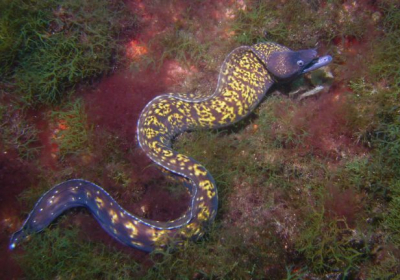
(317, 63)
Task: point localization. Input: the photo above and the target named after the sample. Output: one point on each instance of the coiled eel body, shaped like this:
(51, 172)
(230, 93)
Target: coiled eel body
(245, 76)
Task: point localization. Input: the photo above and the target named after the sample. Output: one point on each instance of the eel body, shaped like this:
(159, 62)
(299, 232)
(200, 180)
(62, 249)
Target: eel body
(245, 76)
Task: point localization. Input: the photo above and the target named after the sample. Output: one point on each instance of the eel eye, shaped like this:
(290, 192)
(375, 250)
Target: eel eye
(300, 63)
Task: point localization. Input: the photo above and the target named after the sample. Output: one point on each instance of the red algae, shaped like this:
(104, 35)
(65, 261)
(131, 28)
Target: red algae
(343, 204)
(329, 134)
(324, 122)
(134, 50)
(115, 104)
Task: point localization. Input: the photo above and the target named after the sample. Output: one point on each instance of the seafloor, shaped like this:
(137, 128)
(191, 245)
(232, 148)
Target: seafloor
(309, 184)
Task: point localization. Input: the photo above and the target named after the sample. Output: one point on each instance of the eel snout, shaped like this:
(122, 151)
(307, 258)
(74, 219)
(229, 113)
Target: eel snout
(318, 63)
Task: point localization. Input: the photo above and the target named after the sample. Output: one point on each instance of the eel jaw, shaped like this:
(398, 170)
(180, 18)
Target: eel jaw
(317, 63)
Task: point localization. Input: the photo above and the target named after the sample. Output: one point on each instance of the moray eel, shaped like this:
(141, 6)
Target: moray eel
(245, 76)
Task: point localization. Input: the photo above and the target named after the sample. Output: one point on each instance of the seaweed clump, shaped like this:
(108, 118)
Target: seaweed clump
(63, 256)
(48, 47)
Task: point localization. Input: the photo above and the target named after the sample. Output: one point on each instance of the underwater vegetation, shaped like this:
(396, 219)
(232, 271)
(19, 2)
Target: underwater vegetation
(17, 133)
(71, 132)
(48, 47)
(308, 188)
(87, 261)
(285, 21)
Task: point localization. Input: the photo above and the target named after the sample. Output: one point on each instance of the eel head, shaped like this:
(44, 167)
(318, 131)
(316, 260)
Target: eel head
(287, 65)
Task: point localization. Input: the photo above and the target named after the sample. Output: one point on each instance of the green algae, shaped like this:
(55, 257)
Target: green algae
(59, 253)
(329, 248)
(55, 45)
(296, 23)
(386, 50)
(18, 134)
(71, 129)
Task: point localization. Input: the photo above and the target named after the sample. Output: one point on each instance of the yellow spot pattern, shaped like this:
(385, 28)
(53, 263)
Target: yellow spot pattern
(99, 202)
(130, 226)
(113, 215)
(242, 84)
